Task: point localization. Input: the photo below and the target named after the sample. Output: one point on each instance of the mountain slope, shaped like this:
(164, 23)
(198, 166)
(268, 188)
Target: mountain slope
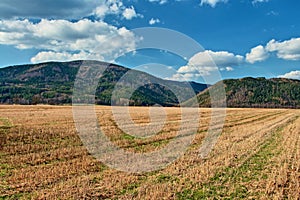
(53, 82)
(257, 92)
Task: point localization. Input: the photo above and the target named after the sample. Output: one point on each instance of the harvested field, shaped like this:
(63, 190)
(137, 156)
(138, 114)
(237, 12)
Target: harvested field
(42, 157)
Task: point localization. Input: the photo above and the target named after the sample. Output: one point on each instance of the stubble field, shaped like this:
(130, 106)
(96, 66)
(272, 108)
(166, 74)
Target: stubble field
(42, 157)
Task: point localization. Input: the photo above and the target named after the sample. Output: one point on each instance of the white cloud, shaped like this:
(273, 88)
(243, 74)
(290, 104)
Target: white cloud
(228, 69)
(257, 54)
(184, 77)
(129, 13)
(109, 7)
(259, 1)
(101, 11)
(153, 21)
(61, 37)
(273, 13)
(207, 62)
(212, 3)
(45, 56)
(291, 75)
(159, 1)
(219, 58)
(288, 50)
(115, 7)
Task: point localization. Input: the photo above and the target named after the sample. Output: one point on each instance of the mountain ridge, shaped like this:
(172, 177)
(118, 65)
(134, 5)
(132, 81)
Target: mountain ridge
(53, 82)
(258, 92)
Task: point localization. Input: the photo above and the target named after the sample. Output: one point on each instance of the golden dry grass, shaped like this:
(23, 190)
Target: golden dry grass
(256, 157)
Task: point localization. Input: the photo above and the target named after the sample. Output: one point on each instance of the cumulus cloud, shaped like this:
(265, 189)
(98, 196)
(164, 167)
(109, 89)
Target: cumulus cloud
(288, 50)
(153, 21)
(291, 75)
(109, 7)
(212, 3)
(115, 7)
(129, 13)
(82, 39)
(210, 58)
(257, 54)
(207, 62)
(45, 56)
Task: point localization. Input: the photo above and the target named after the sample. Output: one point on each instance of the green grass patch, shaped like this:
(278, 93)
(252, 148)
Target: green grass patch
(5, 170)
(132, 187)
(126, 136)
(232, 183)
(162, 178)
(19, 196)
(5, 123)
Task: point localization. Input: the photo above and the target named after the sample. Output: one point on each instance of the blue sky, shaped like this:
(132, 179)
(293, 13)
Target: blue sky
(259, 38)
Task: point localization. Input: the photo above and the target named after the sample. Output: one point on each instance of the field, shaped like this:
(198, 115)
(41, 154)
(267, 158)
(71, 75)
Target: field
(42, 157)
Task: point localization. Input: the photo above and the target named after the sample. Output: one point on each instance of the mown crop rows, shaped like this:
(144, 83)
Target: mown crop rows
(257, 156)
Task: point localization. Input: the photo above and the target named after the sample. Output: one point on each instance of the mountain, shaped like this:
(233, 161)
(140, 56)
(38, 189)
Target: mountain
(53, 83)
(256, 92)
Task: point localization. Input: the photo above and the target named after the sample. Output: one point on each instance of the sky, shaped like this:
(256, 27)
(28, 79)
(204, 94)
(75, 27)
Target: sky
(238, 38)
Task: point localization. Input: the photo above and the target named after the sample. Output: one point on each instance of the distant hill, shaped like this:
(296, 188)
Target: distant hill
(53, 82)
(257, 92)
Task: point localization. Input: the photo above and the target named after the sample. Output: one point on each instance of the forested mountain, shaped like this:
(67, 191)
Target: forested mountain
(257, 92)
(53, 82)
